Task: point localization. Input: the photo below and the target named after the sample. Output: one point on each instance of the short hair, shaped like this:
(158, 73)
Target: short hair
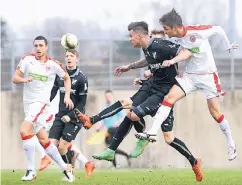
(139, 26)
(171, 19)
(73, 51)
(41, 38)
(156, 32)
(108, 91)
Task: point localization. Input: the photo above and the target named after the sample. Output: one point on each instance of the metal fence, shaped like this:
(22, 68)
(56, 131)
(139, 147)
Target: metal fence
(99, 58)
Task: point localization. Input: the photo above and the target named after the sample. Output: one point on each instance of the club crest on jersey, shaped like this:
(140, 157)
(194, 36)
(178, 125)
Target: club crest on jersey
(47, 68)
(73, 82)
(154, 55)
(192, 38)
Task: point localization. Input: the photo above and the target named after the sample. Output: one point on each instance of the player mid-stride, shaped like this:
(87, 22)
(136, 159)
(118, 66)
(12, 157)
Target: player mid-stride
(37, 71)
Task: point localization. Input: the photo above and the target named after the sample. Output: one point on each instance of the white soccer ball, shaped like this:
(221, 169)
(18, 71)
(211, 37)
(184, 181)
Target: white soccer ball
(69, 41)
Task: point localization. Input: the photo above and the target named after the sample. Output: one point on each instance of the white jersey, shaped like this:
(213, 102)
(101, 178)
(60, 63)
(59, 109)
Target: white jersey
(43, 74)
(196, 39)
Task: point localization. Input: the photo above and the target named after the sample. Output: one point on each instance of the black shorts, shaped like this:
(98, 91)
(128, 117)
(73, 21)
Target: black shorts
(66, 131)
(111, 132)
(148, 99)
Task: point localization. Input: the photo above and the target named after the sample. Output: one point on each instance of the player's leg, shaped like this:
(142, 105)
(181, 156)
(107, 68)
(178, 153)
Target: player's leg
(45, 159)
(212, 90)
(26, 132)
(123, 128)
(177, 92)
(69, 134)
(180, 146)
(53, 152)
(108, 112)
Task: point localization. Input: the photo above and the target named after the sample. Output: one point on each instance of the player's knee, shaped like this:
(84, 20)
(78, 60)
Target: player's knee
(169, 137)
(126, 103)
(216, 114)
(134, 117)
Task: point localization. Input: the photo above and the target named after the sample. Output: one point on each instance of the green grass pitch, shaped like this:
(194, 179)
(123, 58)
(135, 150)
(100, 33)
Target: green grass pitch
(130, 177)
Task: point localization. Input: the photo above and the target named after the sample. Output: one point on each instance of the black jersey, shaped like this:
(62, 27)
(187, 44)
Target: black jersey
(157, 51)
(79, 89)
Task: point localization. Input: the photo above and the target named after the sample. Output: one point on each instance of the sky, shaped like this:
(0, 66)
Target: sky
(109, 13)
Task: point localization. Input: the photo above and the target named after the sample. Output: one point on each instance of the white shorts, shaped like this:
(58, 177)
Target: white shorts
(36, 113)
(208, 83)
(49, 122)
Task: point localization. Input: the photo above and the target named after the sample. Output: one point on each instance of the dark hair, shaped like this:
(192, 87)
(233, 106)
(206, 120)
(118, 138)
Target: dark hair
(139, 27)
(73, 51)
(156, 32)
(171, 19)
(108, 91)
(42, 38)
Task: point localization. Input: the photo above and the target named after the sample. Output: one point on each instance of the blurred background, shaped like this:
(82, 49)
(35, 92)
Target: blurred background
(101, 27)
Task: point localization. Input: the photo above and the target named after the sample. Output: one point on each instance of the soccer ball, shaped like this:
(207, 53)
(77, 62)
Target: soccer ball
(69, 41)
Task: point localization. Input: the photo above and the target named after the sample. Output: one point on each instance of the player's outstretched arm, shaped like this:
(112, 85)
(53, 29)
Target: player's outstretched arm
(138, 64)
(184, 54)
(18, 78)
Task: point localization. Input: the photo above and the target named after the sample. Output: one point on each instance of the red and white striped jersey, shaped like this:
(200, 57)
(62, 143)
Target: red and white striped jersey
(196, 39)
(43, 74)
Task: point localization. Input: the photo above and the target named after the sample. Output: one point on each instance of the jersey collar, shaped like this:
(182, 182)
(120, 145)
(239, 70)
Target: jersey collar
(184, 33)
(76, 73)
(46, 59)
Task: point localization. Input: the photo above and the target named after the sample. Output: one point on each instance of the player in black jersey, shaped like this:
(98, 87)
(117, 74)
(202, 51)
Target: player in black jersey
(66, 126)
(147, 100)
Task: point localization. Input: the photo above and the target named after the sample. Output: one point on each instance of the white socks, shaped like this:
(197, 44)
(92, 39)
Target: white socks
(39, 148)
(53, 152)
(161, 115)
(29, 149)
(224, 126)
(80, 156)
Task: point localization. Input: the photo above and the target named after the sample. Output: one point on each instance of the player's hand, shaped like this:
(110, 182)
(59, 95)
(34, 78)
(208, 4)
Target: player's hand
(167, 63)
(147, 74)
(233, 46)
(66, 119)
(121, 69)
(137, 81)
(28, 79)
(69, 103)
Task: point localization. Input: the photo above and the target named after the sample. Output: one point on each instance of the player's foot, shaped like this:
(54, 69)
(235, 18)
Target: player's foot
(45, 162)
(197, 169)
(139, 149)
(85, 119)
(29, 176)
(232, 152)
(146, 136)
(69, 173)
(89, 167)
(107, 155)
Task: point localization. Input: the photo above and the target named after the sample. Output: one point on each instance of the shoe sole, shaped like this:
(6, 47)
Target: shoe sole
(233, 158)
(98, 158)
(152, 140)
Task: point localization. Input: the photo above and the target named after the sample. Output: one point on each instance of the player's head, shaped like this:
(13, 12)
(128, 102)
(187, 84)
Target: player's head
(71, 58)
(109, 96)
(41, 45)
(172, 23)
(138, 31)
(157, 34)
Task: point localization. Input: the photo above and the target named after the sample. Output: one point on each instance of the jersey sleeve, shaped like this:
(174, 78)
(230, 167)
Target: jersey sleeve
(22, 65)
(173, 48)
(59, 69)
(218, 33)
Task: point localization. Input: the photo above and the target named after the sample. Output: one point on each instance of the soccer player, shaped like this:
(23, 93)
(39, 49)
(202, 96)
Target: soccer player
(66, 126)
(201, 73)
(112, 124)
(37, 71)
(146, 101)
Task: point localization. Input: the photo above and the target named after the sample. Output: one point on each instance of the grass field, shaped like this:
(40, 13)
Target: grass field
(131, 177)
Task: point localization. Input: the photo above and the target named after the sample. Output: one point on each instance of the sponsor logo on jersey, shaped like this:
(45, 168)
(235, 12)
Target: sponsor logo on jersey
(195, 50)
(155, 66)
(39, 77)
